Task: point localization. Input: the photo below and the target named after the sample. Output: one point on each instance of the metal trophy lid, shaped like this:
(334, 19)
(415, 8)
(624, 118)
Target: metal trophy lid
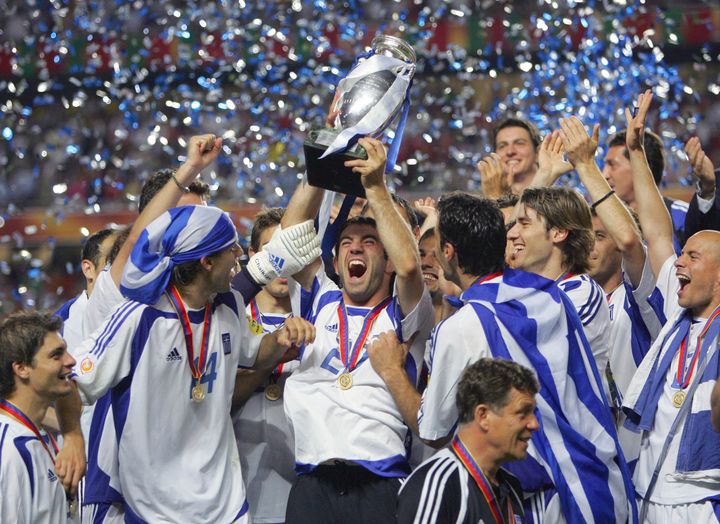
(394, 46)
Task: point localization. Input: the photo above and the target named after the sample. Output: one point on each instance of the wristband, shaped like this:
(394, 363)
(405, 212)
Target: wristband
(184, 189)
(603, 199)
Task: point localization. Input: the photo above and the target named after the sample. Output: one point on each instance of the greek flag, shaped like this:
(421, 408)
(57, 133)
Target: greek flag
(182, 234)
(699, 455)
(529, 320)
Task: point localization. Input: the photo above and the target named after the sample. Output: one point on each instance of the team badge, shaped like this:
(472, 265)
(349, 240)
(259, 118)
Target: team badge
(87, 365)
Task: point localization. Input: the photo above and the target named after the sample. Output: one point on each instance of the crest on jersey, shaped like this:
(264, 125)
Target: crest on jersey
(87, 365)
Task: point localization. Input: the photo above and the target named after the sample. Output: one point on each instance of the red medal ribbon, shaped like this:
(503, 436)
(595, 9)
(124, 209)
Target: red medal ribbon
(349, 359)
(257, 317)
(480, 479)
(199, 370)
(480, 280)
(565, 276)
(683, 377)
(23, 419)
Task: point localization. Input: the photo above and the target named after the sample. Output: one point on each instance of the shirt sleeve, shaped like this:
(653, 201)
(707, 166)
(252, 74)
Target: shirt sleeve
(451, 351)
(104, 358)
(305, 303)
(420, 319)
(668, 285)
(431, 495)
(642, 294)
(102, 301)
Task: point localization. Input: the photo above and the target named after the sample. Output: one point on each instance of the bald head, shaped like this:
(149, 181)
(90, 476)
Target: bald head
(698, 273)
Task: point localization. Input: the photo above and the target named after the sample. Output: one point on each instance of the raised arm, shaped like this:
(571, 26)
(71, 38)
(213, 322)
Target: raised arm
(397, 239)
(580, 148)
(551, 164)
(704, 210)
(654, 217)
(202, 150)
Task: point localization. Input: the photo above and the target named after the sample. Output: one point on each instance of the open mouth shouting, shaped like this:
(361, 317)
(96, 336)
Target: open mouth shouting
(683, 280)
(356, 268)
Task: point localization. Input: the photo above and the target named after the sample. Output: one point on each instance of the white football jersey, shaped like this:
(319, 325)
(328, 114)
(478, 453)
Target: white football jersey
(265, 442)
(177, 457)
(30, 491)
(361, 423)
(589, 300)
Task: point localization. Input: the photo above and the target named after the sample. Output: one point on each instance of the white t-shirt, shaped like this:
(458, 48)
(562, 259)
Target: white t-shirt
(30, 491)
(177, 458)
(362, 423)
(265, 442)
(670, 488)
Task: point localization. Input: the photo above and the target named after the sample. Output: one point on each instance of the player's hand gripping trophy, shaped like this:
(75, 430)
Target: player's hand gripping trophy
(367, 101)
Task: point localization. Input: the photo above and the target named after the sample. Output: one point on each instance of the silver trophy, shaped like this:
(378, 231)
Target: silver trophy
(367, 101)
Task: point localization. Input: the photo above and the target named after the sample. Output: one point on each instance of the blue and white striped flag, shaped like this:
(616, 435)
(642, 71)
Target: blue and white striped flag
(529, 320)
(182, 234)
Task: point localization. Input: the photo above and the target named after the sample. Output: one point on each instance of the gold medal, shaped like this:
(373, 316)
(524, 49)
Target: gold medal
(255, 327)
(198, 393)
(273, 392)
(678, 398)
(345, 381)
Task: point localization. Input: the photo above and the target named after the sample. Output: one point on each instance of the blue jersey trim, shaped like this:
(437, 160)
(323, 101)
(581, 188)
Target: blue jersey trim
(64, 311)
(97, 483)
(392, 467)
(21, 446)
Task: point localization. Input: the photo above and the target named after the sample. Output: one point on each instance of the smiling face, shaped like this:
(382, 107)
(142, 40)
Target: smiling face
(605, 257)
(224, 266)
(429, 264)
(362, 265)
(618, 173)
(530, 240)
(508, 429)
(516, 148)
(698, 271)
(47, 375)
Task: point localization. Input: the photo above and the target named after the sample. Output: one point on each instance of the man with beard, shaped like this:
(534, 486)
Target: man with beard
(350, 439)
(169, 355)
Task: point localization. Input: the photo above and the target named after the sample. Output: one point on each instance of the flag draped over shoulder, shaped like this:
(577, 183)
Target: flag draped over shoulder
(699, 454)
(529, 320)
(179, 235)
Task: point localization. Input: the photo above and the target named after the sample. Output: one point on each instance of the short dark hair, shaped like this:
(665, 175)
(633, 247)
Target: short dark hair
(427, 234)
(120, 239)
(157, 180)
(91, 249)
(475, 228)
(413, 221)
(360, 219)
(489, 381)
(654, 152)
(564, 208)
(264, 219)
(517, 122)
(21, 336)
(509, 200)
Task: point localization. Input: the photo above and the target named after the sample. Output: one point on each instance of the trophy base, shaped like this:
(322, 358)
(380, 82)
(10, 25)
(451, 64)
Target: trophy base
(330, 172)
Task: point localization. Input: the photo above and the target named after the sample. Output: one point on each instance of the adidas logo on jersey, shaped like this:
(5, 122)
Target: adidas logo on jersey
(332, 328)
(173, 356)
(277, 263)
(51, 476)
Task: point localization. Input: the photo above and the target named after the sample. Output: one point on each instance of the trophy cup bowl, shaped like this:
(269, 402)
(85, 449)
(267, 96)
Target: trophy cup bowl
(354, 100)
